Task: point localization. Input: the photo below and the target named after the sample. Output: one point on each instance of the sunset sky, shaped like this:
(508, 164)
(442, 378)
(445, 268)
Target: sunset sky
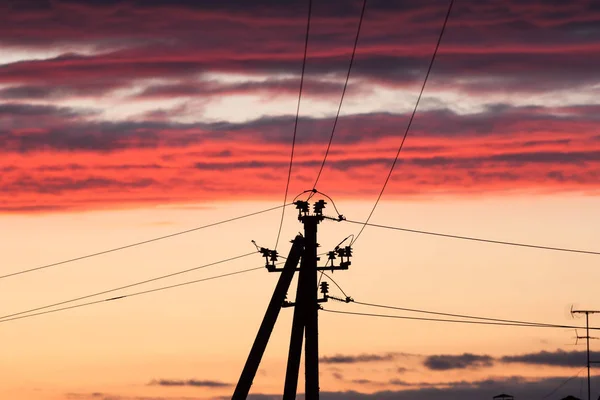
(122, 121)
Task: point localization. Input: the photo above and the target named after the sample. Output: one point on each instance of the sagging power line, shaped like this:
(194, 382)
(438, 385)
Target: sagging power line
(337, 115)
(456, 321)
(289, 176)
(131, 294)
(477, 239)
(125, 286)
(410, 121)
(112, 250)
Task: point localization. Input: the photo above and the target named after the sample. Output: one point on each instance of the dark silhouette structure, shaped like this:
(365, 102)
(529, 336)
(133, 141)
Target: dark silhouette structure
(306, 306)
(587, 338)
(503, 396)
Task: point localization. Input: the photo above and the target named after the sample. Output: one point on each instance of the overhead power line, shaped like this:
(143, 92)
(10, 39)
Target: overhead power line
(337, 115)
(456, 321)
(289, 177)
(412, 116)
(131, 294)
(140, 243)
(476, 239)
(510, 321)
(124, 287)
(334, 282)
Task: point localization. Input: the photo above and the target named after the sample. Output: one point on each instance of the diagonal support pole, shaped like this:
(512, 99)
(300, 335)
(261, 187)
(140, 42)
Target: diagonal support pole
(296, 338)
(266, 328)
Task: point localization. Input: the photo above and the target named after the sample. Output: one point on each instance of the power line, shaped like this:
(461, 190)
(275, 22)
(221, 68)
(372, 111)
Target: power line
(387, 179)
(337, 116)
(475, 239)
(562, 384)
(315, 191)
(125, 287)
(422, 311)
(132, 294)
(140, 243)
(450, 314)
(289, 177)
(334, 282)
(454, 320)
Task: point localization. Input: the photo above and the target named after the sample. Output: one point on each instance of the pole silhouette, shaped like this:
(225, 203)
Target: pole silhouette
(305, 323)
(266, 328)
(587, 341)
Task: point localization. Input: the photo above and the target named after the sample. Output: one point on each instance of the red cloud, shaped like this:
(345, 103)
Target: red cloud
(133, 163)
(64, 158)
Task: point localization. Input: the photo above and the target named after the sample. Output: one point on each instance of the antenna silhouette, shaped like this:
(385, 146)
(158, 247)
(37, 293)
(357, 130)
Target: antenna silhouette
(577, 337)
(587, 338)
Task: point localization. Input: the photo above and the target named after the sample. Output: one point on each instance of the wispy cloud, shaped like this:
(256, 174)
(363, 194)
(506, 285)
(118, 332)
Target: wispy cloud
(358, 358)
(462, 361)
(518, 386)
(557, 358)
(189, 382)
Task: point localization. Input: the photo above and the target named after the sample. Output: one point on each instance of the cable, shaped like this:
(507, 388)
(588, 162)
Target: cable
(311, 191)
(337, 116)
(132, 294)
(126, 286)
(315, 191)
(387, 179)
(334, 282)
(140, 243)
(346, 238)
(449, 314)
(475, 239)
(562, 384)
(287, 186)
(454, 320)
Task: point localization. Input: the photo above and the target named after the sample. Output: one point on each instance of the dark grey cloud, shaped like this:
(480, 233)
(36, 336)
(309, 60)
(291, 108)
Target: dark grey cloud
(445, 362)
(513, 159)
(56, 91)
(107, 396)
(526, 46)
(520, 387)
(18, 110)
(359, 358)
(271, 87)
(462, 361)
(557, 358)
(190, 382)
(59, 185)
(30, 128)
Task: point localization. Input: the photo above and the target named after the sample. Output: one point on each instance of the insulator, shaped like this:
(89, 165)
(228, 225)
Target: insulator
(331, 255)
(273, 255)
(324, 287)
(302, 206)
(319, 206)
(348, 251)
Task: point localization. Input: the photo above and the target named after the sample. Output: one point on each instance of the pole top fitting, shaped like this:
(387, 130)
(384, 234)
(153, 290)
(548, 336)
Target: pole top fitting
(303, 208)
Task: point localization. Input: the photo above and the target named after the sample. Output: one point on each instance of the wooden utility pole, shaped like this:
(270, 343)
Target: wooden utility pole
(305, 322)
(266, 328)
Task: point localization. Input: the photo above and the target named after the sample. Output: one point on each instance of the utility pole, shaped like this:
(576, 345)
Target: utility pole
(587, 339)
(305, 322)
